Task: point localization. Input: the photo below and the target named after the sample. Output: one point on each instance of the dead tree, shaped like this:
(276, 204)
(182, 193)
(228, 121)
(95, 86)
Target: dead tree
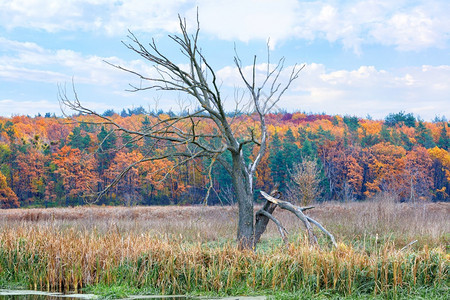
(183, 133)
(266, 213)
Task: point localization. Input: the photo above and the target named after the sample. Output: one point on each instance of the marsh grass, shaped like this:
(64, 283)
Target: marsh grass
(174, 250)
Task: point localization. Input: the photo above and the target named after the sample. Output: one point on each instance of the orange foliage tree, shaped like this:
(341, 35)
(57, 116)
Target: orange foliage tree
(386, 167)
(31, 167)
(342, 169)
(417, 180)
(141, 177)
(359, 157)
(76, 171)
(8, 198)
(441, 169)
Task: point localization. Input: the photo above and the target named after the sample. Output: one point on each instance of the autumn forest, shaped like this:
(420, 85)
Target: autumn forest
(46, 161)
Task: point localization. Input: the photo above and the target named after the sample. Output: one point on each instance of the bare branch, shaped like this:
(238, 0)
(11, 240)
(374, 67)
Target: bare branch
(408, 245)
(283, 232)
(298, 211)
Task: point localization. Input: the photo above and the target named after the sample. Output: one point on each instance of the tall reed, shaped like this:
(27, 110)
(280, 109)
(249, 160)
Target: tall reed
(55, 259)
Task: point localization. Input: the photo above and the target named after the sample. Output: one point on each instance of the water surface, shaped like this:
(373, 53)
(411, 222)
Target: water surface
(37, 295)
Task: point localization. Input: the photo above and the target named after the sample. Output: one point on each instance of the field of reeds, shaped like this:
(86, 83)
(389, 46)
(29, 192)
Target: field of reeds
(191, 250)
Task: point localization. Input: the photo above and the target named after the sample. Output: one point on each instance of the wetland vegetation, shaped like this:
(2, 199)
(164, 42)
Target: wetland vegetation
(118, 251)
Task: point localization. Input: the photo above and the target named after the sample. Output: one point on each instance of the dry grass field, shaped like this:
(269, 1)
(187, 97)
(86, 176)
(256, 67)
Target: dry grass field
(191, 249)
(355, 222)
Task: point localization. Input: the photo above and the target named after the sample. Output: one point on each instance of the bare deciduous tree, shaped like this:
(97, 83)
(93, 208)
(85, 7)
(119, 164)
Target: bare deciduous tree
(183, 134)
(305, 176)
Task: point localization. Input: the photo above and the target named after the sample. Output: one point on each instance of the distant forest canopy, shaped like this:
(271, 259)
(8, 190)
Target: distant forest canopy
(50, 161)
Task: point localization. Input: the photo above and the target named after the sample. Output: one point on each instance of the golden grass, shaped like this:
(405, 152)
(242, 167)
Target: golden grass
(356, 221)
(198, 223)
(185, 249)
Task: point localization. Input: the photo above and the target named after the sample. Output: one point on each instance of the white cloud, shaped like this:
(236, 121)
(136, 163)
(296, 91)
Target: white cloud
(30, 62)
(114, 17)
(366, 90)
(419, 28)
(143, 15)
(8, 72)
(403, 24)
(10, 107)
(247, 20)
(43, 14)
(100, 86)
(422, 90)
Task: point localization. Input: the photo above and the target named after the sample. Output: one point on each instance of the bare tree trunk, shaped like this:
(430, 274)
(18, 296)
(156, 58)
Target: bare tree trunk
(244, 197)
(245, 223)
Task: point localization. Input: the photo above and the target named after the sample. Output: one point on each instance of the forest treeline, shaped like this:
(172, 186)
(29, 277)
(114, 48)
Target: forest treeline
(50, 161)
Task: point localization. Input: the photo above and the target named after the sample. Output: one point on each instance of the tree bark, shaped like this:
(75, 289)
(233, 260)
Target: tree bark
(244, 196)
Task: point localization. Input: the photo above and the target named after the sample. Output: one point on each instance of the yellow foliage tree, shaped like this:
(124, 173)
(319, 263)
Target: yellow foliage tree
(443, 157)
(8, 198)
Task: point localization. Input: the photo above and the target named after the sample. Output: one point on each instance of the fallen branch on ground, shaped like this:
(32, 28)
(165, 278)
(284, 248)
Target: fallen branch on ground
(273, 202)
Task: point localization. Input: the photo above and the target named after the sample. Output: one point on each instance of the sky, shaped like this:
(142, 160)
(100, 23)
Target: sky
(362, 58)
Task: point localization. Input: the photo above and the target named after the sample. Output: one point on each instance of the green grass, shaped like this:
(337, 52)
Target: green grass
(425, 293)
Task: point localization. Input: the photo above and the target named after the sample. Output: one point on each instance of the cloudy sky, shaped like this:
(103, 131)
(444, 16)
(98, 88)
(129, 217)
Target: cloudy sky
(362, 58)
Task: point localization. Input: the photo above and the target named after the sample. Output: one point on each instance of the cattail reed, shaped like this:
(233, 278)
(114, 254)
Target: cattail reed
(97, 247)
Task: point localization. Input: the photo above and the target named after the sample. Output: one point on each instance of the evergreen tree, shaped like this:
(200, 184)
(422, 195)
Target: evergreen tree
(368, 140)
(87, 127)
(127, 141)
(385, 134)
(423, 136)
(145, 127)
(444, 140)
(108, 113)
(107, 139)
(136, 111)
(77, 140)
(124, 113)
(396, 138)
(291, 152)
(406, 142)
(307, 149)
(320, 136)
(9, 129)
(352, 123)
(276, 162)
(400, 118)
(6, 156)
